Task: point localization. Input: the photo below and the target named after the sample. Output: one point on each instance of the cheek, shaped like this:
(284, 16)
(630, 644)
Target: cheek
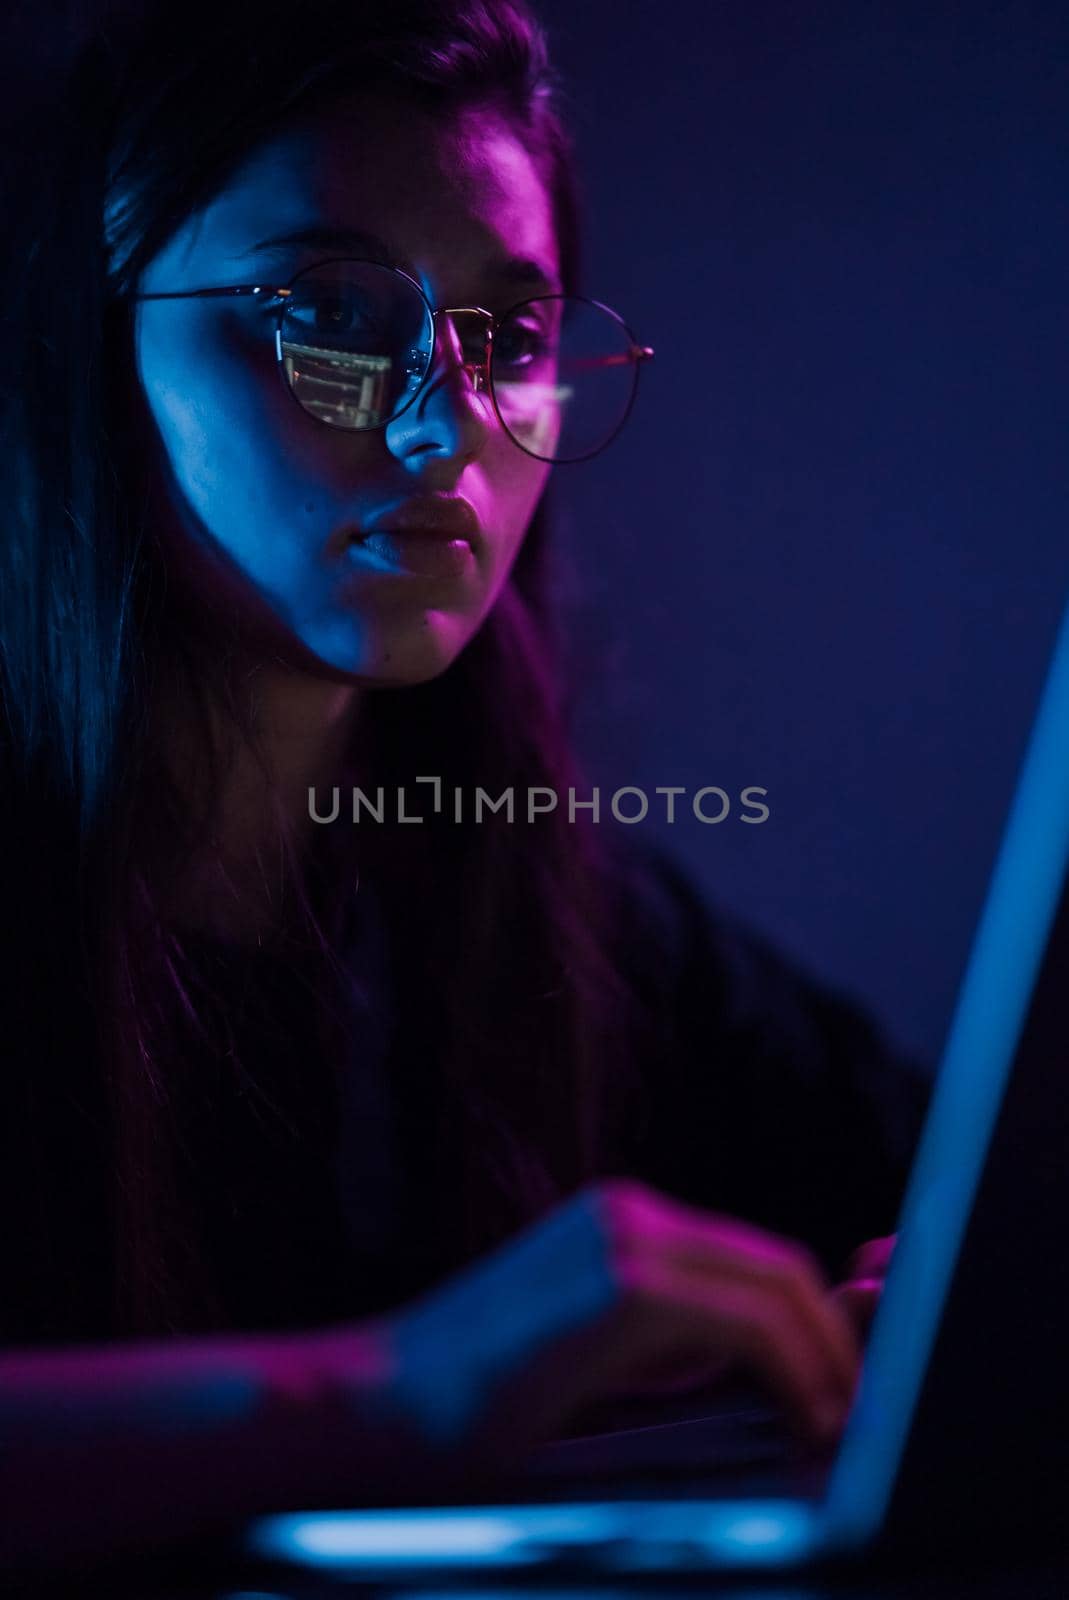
(209, 389)
(515, 483)
(260, 477)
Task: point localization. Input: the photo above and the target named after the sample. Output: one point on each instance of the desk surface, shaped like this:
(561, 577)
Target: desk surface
(224, 1568)
(210, 1575)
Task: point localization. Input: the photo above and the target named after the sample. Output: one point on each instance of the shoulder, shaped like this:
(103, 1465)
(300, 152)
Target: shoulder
(699, 949)
(773, 1092)
(740, 981)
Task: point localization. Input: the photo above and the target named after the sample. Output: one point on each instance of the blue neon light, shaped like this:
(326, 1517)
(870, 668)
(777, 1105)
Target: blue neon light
(759, 1530)
(466, 1536)
(1007, 950)
(629, 1535)
(752, 1533)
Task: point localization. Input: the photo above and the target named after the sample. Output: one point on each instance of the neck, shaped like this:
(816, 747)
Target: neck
(304, 726)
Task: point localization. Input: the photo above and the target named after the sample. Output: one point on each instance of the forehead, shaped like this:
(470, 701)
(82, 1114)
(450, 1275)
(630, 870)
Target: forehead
(454, 197)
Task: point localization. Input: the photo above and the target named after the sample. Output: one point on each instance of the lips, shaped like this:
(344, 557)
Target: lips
(440, 517)
(432, 555)
(429, 535)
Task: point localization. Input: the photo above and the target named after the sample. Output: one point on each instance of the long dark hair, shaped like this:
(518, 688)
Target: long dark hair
(513, 1015)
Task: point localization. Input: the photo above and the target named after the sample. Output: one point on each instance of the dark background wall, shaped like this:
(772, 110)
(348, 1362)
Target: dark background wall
(829, 555)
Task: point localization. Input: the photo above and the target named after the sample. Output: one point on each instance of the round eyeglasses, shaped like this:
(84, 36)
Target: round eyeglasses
(356, 342)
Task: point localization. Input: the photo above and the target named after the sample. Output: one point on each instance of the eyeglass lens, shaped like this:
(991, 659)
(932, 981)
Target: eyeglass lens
(356, 338)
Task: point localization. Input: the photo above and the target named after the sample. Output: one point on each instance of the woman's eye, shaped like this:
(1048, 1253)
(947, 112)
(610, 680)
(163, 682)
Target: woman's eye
(521, 345)
(341, 317)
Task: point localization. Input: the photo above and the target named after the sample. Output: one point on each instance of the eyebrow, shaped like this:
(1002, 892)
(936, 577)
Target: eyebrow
(521, 271)
(318, 237)
(516, 271)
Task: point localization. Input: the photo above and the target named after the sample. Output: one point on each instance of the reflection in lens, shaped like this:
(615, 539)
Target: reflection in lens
(564, 376)
(351, 391)
(355, 343)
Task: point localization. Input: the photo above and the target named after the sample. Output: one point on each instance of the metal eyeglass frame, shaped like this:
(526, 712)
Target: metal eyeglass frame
(479, 370)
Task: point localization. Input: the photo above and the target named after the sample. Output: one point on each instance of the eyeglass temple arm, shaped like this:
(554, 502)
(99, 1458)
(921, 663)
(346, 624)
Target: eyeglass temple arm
(637, 352)
(205, 294)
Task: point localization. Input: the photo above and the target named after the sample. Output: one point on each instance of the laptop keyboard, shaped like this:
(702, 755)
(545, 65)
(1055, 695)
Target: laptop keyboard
(685, 1446)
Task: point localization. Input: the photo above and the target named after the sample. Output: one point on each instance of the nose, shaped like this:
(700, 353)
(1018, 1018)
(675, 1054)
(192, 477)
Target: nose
(452, 416)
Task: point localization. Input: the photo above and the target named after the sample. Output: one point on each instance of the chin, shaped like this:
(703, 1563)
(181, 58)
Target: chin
(419, 653)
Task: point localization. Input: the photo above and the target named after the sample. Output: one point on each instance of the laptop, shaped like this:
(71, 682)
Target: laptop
(957, 1437)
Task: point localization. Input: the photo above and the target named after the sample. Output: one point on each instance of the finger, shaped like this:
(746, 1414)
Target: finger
(827, 1321)
(727, 1240)
(872, 1259)
(723, 1247)
(751, 1323)
(777, 1346)
(859, 1299)
(647, 1228)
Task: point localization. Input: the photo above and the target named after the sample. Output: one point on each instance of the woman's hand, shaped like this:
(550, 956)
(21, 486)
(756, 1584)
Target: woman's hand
(611, 1290)
(859, 1293)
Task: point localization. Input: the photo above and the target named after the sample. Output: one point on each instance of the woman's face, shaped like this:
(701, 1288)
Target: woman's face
(262, 499)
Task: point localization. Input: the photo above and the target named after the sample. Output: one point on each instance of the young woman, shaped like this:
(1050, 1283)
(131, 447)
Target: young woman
(345, 1159)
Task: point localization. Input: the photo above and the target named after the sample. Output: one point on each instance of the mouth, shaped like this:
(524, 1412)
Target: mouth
(429, 536)
(417, 551)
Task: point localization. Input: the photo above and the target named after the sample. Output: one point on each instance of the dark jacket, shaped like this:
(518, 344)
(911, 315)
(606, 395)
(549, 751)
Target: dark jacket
(778, 1098)
(770, 1097)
